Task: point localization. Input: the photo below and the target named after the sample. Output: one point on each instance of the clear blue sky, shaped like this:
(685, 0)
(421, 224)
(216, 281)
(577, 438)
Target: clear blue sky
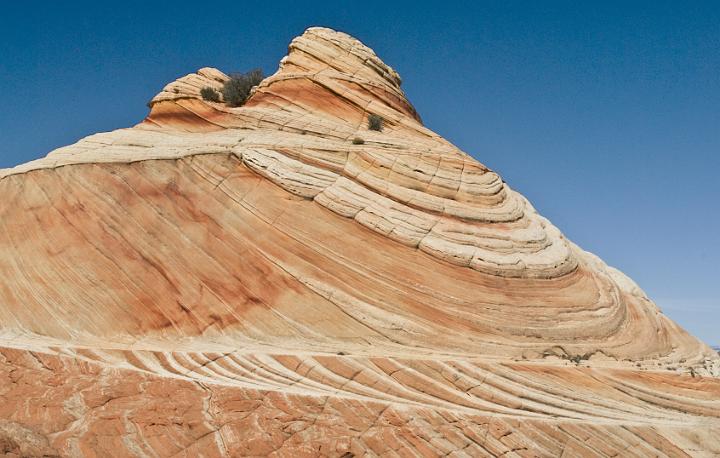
(605, 115)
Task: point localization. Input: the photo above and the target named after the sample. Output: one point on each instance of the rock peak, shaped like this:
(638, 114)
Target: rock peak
(327, 46)
(325, 71)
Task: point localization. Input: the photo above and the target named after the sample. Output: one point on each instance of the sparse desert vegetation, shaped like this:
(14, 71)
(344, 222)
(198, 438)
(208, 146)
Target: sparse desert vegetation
(236, 90)
(209, 94)
(375, 122)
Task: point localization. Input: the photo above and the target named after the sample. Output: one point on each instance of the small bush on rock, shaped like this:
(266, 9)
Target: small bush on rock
(358, 141)
(375, 122)
(210, 94)
(236, 90)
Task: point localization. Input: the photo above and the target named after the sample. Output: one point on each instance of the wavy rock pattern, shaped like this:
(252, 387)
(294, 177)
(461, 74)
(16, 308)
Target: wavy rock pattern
(248, 281)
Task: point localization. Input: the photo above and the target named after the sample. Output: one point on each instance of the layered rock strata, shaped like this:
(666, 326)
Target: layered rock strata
(250, 281)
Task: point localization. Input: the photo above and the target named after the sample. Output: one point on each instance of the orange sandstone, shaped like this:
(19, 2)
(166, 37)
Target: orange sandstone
(248, 281)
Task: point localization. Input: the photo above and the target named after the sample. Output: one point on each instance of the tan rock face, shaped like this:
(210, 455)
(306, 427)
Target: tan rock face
(248, 281)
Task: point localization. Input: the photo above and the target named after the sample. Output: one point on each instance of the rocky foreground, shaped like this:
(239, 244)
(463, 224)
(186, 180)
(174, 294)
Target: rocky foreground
(256, 281)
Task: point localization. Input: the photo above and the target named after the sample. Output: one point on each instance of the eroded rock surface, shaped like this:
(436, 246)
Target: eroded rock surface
(249, 281)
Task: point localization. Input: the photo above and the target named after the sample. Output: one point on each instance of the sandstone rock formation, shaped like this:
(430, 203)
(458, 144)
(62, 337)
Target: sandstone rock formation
(224, 281)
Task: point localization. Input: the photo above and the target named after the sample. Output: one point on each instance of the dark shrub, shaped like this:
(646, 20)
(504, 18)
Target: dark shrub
(358, 141)
(210, 94)
(236, 90)
(375, 122)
